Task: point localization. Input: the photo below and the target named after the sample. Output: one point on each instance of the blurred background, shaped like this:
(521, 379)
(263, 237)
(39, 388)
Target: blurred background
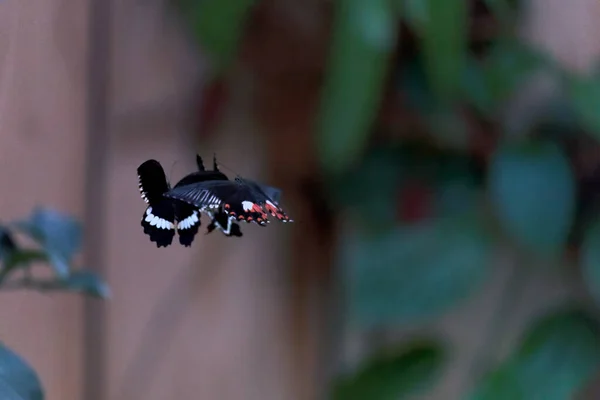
(440, 160)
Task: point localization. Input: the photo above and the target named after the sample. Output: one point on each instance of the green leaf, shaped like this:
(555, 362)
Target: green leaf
(590, 259)
(58, 233)
(416, 272)
(532, 191)
(371, 189)
(87, 282)
(364, 35)
(18, 381)
(217, 25)
(558, 355)
(445, 122)
(501, 384)
(584, 92)
(476, 87)
(509, 64)
(393, 375)
(414, 12)
(444, 44)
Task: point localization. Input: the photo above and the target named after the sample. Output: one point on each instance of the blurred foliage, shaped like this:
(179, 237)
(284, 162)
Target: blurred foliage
(417, 135)
(57, 239)
(394, 375)
(557, 356)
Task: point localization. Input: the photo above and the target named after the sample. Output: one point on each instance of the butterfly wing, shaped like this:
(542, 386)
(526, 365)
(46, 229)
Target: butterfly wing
(188, 222)
(270, 198)
(236, 200)
(159, 217)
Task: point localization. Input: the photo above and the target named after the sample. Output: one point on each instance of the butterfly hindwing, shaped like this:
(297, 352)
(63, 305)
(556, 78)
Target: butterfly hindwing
(188, 222)
(158, 222)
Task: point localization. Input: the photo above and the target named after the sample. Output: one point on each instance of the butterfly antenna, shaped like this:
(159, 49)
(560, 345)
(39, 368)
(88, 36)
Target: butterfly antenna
(228, 169)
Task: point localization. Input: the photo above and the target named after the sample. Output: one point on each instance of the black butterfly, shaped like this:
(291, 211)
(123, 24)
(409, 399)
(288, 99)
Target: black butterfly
(241, 199)
(165, 215)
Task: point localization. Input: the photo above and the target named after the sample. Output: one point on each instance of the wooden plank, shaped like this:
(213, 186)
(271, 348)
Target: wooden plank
(42, 98)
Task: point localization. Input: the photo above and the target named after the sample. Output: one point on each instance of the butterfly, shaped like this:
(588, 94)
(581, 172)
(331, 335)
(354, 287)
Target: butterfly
(240, 199)
(165, 216)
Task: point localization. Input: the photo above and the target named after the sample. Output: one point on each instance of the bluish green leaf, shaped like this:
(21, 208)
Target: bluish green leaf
(558, 355)
(217, 25)
(58, 233)
(584, 92)
(364, 34)
(476, 87)
(590, 259)
(87, 282)
(18, 381)
(394, 375)
(444, 41)
(415, 272)
(532, 190)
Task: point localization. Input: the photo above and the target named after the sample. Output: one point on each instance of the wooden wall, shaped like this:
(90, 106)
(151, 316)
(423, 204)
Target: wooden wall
(210, 322)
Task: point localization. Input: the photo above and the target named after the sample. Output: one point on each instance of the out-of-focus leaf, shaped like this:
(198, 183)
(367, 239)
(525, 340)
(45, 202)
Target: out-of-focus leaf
(444, 41)
(475, 87)
(509, 64)
(501, 384)
(532, 190)
(590, 259)
(59, 234)
(559, 354)
(415, 272)
(21, 258)
(584, 92)
(364, 35)
(217, 25)
(18, 381)
(445, 122)
(87, 282)
(394, 375)
(414, 12)
(371, 189)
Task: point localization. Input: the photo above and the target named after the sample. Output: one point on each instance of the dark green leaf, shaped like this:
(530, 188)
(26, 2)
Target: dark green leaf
(501, 384)
(509, 64)
(416, 272)
(445, 122)
(217, 25)
(584, 92)
(590, 259)
(559, 354)
(87, 282)
(18, 381)
(532, 190)
(393, 375)
(364, 35)
(21, 258)
(444, 41)
(371, 189)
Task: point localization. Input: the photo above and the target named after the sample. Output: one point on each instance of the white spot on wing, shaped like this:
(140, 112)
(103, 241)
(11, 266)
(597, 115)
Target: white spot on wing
(247, 205)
